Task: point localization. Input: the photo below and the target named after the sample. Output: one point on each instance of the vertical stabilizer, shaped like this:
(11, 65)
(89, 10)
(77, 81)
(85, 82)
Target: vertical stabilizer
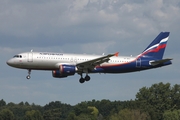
(157, 47)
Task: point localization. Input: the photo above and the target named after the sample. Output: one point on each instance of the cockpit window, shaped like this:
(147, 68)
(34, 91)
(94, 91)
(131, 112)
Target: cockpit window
(17, 56)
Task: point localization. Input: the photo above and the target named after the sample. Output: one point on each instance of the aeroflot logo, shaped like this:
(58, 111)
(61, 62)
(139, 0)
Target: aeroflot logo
(45, 53)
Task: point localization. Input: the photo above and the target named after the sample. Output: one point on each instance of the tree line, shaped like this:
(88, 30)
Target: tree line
(158, 102)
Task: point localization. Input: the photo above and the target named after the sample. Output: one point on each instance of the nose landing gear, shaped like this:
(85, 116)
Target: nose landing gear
(28, 76)
(29, 72)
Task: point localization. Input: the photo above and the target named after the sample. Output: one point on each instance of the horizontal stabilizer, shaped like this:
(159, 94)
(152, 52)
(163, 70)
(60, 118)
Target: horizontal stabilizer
(157, 62)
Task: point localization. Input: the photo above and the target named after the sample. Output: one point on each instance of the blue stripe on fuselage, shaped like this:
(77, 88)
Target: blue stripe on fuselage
(128, 67)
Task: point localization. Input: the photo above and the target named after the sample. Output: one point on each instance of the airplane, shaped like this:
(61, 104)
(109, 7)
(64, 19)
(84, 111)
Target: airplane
(63, 65)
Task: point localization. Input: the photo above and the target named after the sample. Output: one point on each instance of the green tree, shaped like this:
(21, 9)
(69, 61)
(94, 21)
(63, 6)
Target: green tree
(127, 114)
(85, 117)
(53, 114)
(33, 115)
(11, 104)
(63, 109)
(2, 103)
(171, 115)
(175, 97)
(6, 114)
(105, 107)
(94, 111)
(21, 103)
(26, 103)
(81, 108)
(72, 116)
(158, 98)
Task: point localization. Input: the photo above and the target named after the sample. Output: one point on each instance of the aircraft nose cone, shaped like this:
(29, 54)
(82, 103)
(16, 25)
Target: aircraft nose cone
(9, 62)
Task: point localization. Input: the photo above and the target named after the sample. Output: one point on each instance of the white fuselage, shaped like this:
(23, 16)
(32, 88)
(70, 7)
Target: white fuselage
(51, 61)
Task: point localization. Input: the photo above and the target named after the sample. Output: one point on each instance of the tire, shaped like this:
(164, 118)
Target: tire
(81, 80)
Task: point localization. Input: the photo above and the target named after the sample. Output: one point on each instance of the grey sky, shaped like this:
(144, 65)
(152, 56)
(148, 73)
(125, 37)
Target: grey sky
(84, 26)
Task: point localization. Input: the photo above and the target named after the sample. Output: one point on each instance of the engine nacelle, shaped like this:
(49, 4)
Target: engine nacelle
(64, 71)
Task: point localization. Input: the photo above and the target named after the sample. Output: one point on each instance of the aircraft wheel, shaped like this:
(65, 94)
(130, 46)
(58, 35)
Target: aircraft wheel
(81, 80)
(87, 78)
(28, 77)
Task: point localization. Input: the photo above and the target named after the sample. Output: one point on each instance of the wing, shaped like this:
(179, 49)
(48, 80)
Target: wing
(91, 64)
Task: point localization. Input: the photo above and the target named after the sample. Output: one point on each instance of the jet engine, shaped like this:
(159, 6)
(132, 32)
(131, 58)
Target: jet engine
(64, 71)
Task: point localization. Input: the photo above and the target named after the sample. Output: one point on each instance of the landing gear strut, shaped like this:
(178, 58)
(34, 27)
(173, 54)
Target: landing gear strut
(86, 78)
(29, 72)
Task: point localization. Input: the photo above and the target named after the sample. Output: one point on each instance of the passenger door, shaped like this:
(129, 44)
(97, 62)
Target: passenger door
(30, 57)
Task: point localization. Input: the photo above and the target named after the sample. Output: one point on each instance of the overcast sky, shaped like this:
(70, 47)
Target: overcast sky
(85, 26)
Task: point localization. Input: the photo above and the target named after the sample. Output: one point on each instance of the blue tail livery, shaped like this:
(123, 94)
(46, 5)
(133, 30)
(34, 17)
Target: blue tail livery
(63, 64)
(157, 47)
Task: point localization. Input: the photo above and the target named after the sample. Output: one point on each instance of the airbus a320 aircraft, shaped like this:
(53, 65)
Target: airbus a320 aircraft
(64, 65)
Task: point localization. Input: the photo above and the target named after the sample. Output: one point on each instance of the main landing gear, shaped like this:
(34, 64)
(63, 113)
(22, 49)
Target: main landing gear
(86, 78)
(29, 73)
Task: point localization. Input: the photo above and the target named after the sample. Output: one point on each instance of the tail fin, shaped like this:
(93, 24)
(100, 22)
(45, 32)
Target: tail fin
(157, 47)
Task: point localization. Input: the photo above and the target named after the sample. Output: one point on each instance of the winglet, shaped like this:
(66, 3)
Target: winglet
(116, 54)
